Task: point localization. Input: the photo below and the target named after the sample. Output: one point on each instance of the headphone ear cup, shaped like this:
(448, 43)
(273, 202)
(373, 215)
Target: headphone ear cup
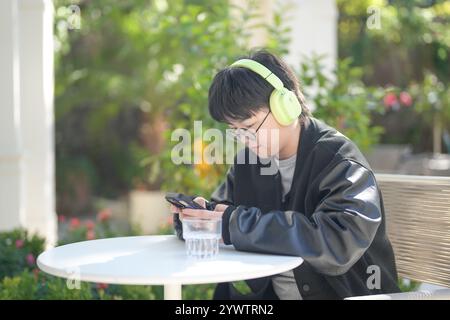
(284, 106)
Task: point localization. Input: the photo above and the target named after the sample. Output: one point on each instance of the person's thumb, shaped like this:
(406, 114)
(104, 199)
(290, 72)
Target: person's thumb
(220, 207)
(201, 201)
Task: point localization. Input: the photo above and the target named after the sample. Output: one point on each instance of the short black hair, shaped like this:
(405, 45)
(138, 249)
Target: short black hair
(236, 93)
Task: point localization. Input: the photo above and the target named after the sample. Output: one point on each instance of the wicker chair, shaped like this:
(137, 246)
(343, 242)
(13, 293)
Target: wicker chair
(418, 224)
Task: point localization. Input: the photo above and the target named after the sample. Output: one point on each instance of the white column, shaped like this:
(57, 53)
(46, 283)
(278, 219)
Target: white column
(263, 8)
(12, 212)
(314, 31)
(313, 26)
(172, 292)
(37, 129)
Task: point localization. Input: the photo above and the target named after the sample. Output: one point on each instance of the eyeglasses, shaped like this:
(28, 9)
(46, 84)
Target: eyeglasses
(241, 134)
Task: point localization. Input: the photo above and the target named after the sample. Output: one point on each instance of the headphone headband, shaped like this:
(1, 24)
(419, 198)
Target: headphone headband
(283, 103)
(261, 70)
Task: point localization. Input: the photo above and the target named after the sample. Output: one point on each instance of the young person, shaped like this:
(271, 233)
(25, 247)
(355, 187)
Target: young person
(322, 203)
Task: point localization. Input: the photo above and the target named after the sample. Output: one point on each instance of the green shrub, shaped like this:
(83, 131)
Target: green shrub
(39, 286)
(410, 50)
(129, 75)
(342, 100)
(406, 285)
(128, 292)
(18, 252)
(23, 286)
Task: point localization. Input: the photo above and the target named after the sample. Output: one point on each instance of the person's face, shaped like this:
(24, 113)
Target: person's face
(261, 133)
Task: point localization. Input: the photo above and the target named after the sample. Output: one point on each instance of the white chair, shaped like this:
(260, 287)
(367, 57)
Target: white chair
(441, 294)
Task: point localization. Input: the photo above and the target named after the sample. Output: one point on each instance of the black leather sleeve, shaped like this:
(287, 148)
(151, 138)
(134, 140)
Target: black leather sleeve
(177, 226)
(332, 239)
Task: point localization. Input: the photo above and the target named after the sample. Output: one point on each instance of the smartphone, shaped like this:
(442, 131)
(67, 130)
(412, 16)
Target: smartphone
(182, 201)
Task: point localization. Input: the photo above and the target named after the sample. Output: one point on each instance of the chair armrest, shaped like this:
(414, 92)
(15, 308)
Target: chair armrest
(441, 294)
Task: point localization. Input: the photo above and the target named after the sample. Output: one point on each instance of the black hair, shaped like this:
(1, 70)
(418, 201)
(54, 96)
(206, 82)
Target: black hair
(236, 93)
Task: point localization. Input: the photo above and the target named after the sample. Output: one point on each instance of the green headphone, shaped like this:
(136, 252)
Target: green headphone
(283, 103)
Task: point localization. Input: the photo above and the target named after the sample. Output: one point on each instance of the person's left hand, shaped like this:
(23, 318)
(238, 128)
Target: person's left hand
(204, 213)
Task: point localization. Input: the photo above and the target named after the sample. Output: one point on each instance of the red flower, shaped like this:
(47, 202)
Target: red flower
(19, 243)
(90, 225)
(170, 220)
(390, 100)
(104, 215)
(90, 235)
(102, 286)
(405, 99)
(30, 259)
(61, 218)
(74, 223)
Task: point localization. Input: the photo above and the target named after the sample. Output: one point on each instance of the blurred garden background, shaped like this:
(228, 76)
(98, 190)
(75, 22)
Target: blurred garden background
(129, 72)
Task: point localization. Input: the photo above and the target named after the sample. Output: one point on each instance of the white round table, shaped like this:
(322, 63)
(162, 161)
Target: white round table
(157, 260)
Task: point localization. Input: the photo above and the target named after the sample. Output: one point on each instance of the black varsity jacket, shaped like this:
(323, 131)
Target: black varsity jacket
(332, 217)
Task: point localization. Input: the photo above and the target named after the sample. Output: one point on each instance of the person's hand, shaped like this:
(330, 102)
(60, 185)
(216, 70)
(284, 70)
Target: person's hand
(203, 213)
(174, 209)
(200, 200)
(220, 207)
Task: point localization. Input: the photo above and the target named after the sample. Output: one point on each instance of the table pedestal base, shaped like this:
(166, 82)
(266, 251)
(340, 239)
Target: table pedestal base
(172, 292)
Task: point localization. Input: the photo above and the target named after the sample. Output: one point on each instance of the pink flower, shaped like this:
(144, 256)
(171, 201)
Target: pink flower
(30, 259)
(61, 218)
(102, 286)
(405, 99)
(341, 122)
(90, 225)
(19, 243)
(90, 235)
(104, 215)
(74, 223)
(390, 100)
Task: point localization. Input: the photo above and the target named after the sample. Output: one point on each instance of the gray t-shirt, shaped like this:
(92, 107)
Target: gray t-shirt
(284, 283)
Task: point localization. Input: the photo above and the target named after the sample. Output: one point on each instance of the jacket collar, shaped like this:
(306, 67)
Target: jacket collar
(308, 138)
